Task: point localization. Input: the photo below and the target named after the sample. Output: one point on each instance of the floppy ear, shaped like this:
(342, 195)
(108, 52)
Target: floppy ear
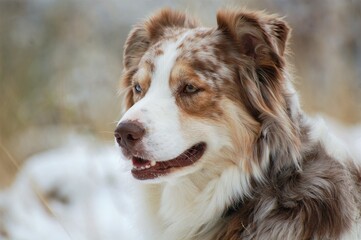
(136, 45)
(261, 41)
(143, 35)
(254, 29)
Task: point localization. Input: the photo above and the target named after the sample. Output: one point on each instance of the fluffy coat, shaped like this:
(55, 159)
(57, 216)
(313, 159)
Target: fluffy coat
(269, 171)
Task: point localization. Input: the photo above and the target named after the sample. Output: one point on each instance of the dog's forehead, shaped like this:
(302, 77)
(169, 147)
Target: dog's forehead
(200, 43)
(199, 48)
(187, 43)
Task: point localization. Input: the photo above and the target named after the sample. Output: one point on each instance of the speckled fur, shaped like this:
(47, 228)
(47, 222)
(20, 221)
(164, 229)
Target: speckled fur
(275, 174)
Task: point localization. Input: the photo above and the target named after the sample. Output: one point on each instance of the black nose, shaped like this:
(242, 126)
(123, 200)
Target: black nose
(128, 134)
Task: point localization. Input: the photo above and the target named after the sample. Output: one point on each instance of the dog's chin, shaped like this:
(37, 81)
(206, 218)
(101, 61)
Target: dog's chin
(160, 171)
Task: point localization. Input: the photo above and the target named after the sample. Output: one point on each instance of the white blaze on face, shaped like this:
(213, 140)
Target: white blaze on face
(158, 111)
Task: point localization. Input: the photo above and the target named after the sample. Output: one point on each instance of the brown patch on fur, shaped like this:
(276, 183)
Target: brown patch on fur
(247, 31)
(167, 18)
(126, 84)
(159, 52)
(180, 46)
(292, 204)
(243, 131)
(200, 104)
(205, 66)
(150, 65)
(135, 46)
(254, 26)
(143, 78)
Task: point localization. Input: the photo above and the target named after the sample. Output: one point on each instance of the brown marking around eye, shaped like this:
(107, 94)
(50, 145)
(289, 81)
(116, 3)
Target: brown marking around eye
(143, 78)
(126, 84)
(202, 103)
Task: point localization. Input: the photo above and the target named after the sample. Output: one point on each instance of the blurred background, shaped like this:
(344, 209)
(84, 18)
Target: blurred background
(60, 63)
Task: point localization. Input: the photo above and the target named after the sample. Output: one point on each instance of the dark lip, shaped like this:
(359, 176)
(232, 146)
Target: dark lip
(162, 168)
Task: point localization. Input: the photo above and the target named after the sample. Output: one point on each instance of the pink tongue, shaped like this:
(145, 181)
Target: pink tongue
(138, 162)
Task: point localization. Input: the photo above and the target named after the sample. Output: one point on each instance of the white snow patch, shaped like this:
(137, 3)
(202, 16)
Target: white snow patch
(85, 185)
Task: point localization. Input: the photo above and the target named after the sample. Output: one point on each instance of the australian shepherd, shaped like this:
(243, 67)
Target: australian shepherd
(215, 135)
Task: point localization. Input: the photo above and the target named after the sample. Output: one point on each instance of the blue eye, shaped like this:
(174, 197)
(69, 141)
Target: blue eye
(189, 88)
(137, 88)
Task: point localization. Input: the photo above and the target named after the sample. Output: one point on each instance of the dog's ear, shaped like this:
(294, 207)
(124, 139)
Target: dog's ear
(136, 45)
(143, 35)
(261, 41)
(254, 30)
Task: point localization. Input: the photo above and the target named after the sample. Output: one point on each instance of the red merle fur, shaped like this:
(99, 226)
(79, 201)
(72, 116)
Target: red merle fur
(305, 192)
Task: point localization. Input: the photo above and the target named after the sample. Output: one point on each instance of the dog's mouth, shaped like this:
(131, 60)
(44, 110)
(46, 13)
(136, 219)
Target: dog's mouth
(149, 169)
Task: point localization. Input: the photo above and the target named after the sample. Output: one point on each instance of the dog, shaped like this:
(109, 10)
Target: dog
(216, 137)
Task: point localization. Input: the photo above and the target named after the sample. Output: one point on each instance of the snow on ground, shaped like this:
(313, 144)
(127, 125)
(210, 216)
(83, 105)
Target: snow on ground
(79, 191)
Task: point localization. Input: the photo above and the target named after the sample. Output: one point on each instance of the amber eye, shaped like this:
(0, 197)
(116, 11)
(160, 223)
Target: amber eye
(137, 88)
(189, 88)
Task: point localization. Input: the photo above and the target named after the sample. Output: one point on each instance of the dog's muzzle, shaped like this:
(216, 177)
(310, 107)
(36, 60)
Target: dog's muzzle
(129, 135)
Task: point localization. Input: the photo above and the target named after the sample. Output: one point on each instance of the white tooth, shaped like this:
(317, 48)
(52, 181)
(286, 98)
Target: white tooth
(142, 168)
(152, 163)
(147, 166)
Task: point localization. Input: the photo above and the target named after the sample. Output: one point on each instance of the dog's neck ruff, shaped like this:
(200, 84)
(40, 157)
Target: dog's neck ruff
(192, 210)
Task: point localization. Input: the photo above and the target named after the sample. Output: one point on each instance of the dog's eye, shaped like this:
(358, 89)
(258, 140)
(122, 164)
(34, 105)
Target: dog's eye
(189, 88)
(137, 88)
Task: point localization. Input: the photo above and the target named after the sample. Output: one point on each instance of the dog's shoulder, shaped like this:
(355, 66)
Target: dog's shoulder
(321, 199)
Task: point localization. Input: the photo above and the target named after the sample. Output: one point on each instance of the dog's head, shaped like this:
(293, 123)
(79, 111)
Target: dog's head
(197, 96)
